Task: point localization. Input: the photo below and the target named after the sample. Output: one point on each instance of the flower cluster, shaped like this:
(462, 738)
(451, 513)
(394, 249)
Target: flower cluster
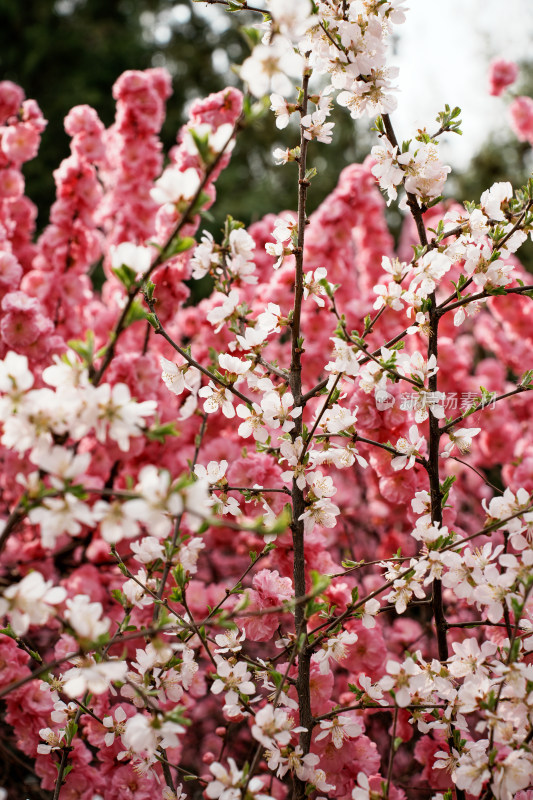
(225, 554)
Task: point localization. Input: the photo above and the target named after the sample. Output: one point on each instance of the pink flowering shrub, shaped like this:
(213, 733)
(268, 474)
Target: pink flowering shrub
(278, 543)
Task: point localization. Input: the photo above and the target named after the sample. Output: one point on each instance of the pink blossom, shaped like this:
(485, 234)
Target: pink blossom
(11, 98)
(502, 74)
(11, 183)
(521, 118)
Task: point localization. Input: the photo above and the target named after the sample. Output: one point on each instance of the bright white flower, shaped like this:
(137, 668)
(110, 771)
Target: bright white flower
(252, 424)
(158, 503)
(205, 257)
(253, 337)
(493, 198)
(226, 783)
(425, 172)
(60, 462)
(370, 610)
(118, 415)
(313, 287)
(273, 727)
(189, 554)
(404, 588)
(114, 521)
(291, 19)
(58, 515)
(239, 261)
(177, 379)
(85, 617)
(232, 677)
(469, 658)
(30, 602)
(233, 365)
(400, 678)
(340, 728)
(135, 591)
(471, 770)
(144, 734)
(396, 269)
(93, 677)
(137, 257)
(334, 648)
(267, 68)
(229, 303)
(387, 170)
(460, 438)
(428, 272)
(278, 251)
(279, 106)
(277, 410)
(148, 549)
(281, 156)
(52, 739)
(216, 398)
(410, 448)
(15, 380)
(230, 641)
(322, 512)
(337, 419)
(176, 186)
(115, 726)
(512, 774)
(316, 127)
(388, 295)
(321, 485)
(346, 359)
(269, 320)
(213, 473)
(67, 370)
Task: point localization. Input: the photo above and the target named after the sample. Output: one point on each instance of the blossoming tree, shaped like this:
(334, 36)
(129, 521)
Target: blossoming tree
(278, 543)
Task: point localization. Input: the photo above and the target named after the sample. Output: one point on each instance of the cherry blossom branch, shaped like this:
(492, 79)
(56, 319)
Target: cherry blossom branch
(392, 753)
(16, 516)
(501, 242)
(298, 502)
(377, 707)
(196, 629)
(483, 478)
(484, 295)
(319, 416)
(243, 6)
(160, 331)
(469, 412)
(65, 754)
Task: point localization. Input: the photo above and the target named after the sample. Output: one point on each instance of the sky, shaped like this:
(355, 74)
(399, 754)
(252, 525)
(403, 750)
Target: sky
(444, 49)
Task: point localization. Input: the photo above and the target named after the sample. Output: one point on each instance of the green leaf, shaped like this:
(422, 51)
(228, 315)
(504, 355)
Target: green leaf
(126, 275)
(84, 348)
(152, 319)
(135, 313)
(148, 290)
(158, 433)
